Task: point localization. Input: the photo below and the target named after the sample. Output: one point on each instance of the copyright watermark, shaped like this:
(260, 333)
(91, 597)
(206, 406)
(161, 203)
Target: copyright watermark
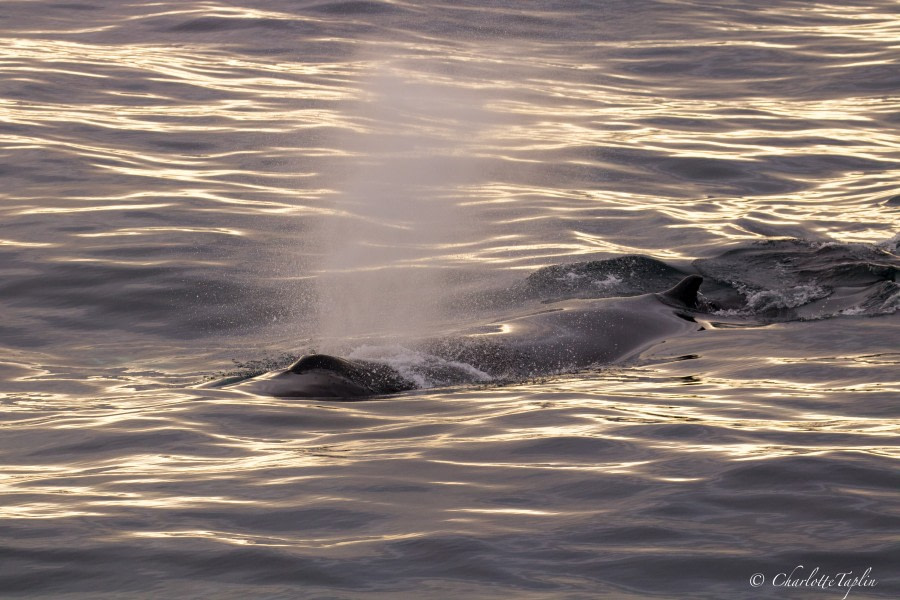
(802, 577)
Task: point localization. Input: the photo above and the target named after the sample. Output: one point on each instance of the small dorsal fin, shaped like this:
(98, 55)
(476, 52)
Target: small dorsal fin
(685, 292)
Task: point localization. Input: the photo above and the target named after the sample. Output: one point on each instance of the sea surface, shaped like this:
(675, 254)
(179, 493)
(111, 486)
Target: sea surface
(192, 190)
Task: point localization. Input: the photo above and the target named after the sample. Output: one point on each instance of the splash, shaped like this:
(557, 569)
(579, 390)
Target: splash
(423, 369)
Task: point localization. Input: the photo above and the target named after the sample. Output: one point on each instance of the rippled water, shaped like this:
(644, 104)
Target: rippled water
(191, 184)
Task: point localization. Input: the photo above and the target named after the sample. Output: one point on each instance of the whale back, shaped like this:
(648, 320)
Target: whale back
(370, 377)
(566, 336)
(684, 292)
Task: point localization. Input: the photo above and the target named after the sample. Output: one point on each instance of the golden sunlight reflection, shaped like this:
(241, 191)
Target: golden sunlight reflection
(100, 208)
(27, 244)
(44, 510)
(556, 117)
(275, 541)
(514, 511)
(164, 230)
(625, 467)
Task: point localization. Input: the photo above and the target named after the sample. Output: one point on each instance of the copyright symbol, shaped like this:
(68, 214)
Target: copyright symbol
(757, 579)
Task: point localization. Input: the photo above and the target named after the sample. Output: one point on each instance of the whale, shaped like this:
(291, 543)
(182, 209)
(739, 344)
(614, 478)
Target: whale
(556, 338)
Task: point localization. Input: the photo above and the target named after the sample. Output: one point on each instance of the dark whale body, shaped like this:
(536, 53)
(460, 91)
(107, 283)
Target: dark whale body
(324, 376)
(565, 336)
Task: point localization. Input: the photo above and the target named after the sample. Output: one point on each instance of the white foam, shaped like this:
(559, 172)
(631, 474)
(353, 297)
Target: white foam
(792, 297)
(423, 369)
(891, 244)
(570, 277)
(610, 281)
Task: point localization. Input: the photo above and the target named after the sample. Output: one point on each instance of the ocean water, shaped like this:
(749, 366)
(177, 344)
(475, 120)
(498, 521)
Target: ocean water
(197, 189)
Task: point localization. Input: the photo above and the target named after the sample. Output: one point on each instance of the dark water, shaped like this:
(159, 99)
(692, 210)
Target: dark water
(190, 185)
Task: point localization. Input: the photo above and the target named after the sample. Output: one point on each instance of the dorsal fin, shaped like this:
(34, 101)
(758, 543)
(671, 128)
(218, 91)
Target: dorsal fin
(685, 292)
